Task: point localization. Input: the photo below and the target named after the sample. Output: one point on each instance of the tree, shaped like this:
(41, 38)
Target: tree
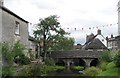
(117, 59)
(106, 56)
(62, 43)
(45, 31)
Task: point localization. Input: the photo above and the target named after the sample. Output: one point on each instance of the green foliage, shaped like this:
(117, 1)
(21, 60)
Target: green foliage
(91, 71)
(24, 60)
(7, 71)
(111, 70)
(45, 29)
(37, 70)
(117, 59)
(49, 61)
(30, 70)
(24, 71)
(77, 67)
(18, 49)
(106, 56)
(7, 53)
(102, 65)
(62, 43)
(45, 70)
(32, 56)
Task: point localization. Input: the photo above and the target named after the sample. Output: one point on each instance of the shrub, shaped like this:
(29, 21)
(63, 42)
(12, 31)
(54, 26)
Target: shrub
(7, 53)
(18, 49)
(30, 70)
(32, 56)
(91, 71)
(117, 59)
(102, 65)
(111, 70)
(106, 56)
(7, 71)
(23, 60)
(49, 61)
(24, 71)
(37, 70)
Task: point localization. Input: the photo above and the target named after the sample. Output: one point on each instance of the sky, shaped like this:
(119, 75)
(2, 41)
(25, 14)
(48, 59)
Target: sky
(78, 17)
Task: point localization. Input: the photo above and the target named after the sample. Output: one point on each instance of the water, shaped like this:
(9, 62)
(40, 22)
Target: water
(65, 73)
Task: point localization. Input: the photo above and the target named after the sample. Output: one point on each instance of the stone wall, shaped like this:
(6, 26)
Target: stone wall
(8, 28)
(76, 54)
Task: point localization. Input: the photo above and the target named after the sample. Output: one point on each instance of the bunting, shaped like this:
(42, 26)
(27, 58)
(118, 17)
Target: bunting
(84, 27)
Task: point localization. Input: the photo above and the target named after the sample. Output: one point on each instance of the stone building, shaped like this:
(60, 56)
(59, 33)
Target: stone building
(113, 43)
(13, 27)
(34, 47)
(93, 43)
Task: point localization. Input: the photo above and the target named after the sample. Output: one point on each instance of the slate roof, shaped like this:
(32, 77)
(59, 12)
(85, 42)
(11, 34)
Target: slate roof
(12, 13)
(32, 39)
(114, 38)
(95, 44)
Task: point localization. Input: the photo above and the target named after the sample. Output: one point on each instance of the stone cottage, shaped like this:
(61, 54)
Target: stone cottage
(13, 27)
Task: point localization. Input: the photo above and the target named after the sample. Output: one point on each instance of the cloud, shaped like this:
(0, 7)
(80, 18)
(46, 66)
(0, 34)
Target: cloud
(73, 14)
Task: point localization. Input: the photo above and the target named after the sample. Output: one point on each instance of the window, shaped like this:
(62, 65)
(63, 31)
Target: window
(17, 28)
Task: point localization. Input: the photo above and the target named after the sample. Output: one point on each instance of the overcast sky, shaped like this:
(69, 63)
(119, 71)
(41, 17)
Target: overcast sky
(79, 17)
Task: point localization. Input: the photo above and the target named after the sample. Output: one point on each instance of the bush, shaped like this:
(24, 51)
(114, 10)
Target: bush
(106, 56)
(30, 70)
(111, 70)
(117, 59)
(102, 65)
(49, 61)
(37, 70)
(18, 49)
(7, 71)
(23, 60)
(91, 71)
(7, 53)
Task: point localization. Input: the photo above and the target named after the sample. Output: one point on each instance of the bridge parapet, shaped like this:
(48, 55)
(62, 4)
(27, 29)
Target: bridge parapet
(76, 54)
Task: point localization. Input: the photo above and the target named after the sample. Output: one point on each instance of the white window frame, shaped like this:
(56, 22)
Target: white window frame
(17, 28)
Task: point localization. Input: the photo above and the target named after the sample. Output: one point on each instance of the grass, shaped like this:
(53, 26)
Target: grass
(111, 70)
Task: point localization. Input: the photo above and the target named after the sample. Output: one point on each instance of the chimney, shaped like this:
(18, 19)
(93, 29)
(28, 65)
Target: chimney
(89, 37)
(99, 32)
(111, 35)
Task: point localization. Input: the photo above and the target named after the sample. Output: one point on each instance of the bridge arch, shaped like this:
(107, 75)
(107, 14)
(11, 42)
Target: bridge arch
(79, 62)
(94, 62)
(60, 62)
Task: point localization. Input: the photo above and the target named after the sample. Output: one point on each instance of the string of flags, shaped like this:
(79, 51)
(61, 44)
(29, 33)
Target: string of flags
(85, 27)
(89, 27)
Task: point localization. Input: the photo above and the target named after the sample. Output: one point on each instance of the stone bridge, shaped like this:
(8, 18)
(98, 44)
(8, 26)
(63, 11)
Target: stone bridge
(79, 57)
